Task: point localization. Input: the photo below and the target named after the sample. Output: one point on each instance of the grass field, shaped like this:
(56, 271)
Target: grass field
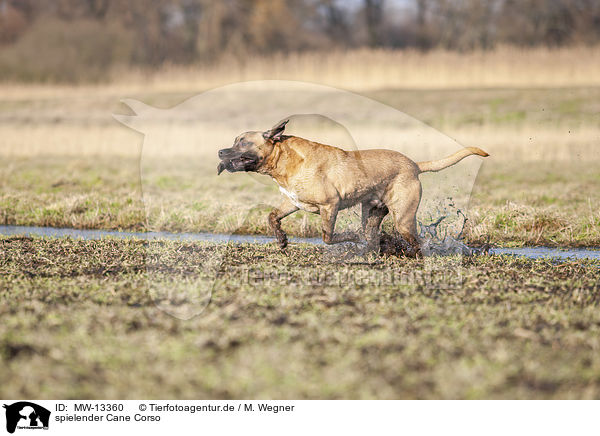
(543, 204)
(67, 163)
(80, 318)
(78, 322)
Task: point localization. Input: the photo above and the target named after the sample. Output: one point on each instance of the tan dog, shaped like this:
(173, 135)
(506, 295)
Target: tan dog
(323, 179)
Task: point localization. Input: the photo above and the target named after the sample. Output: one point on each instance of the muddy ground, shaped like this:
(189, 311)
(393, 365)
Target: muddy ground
(80, 320)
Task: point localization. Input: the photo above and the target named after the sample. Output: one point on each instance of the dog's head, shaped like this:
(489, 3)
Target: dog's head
(250, 150)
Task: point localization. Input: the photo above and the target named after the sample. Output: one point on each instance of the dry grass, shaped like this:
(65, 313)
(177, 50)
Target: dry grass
(361, 70)
(375, 69)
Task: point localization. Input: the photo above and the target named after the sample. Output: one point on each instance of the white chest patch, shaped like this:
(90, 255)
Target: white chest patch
(293, 197)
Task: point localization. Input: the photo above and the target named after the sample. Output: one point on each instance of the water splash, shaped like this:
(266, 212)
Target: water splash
(438, 240)
(442, 237)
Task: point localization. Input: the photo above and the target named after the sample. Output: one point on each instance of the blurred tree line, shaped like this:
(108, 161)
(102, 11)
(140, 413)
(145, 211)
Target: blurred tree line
(44, 39)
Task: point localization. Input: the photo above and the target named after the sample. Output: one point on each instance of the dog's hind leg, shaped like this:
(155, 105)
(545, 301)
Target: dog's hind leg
(328, 217)
(403, 201)
(372, 216)
(286, 208)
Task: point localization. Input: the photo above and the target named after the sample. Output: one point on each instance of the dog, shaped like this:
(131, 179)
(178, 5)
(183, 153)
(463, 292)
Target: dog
(323, 179)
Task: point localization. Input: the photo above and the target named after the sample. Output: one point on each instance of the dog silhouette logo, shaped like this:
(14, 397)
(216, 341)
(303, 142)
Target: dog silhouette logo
(26, 415)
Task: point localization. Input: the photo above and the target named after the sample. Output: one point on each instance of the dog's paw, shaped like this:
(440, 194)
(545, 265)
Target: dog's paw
(282, 239)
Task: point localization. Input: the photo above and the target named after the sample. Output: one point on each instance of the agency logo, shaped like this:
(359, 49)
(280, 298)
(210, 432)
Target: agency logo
(26, 415)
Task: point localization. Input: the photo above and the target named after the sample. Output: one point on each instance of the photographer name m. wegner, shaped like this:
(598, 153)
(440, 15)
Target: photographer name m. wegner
(263, 407)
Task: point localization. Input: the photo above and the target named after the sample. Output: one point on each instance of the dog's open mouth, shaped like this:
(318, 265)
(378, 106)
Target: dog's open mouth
(240, 163)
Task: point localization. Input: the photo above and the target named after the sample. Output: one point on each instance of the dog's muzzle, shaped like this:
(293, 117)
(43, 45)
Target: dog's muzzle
(233, 161)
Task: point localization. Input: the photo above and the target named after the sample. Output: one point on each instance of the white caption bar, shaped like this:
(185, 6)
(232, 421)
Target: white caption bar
(21, 417)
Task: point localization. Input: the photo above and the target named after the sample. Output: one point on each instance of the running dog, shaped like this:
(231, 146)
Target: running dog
(323, 179)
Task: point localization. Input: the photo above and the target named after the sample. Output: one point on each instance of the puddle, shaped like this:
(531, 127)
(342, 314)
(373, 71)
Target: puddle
(99, 234)
(530, 252)
(546, 252)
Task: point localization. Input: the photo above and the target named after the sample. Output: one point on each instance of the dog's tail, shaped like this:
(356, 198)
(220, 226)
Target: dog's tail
(437, 165)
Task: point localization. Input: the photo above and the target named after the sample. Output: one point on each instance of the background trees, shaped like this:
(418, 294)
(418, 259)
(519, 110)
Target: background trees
(102, 33)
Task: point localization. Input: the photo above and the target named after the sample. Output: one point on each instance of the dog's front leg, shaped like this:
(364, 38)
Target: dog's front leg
(286, 208)
(328, 217)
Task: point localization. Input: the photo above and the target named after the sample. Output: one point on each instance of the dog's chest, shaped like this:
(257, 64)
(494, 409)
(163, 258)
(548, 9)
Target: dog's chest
(295, 200)
(292, 196)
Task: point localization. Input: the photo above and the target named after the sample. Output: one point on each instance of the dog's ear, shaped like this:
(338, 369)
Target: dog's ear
(275, 133)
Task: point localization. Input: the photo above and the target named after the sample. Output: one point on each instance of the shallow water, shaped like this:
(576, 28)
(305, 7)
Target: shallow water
(99, 234)
(548, 252)
(530, 252)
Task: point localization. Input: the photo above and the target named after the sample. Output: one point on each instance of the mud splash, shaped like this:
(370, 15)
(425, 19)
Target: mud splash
(437, 240)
